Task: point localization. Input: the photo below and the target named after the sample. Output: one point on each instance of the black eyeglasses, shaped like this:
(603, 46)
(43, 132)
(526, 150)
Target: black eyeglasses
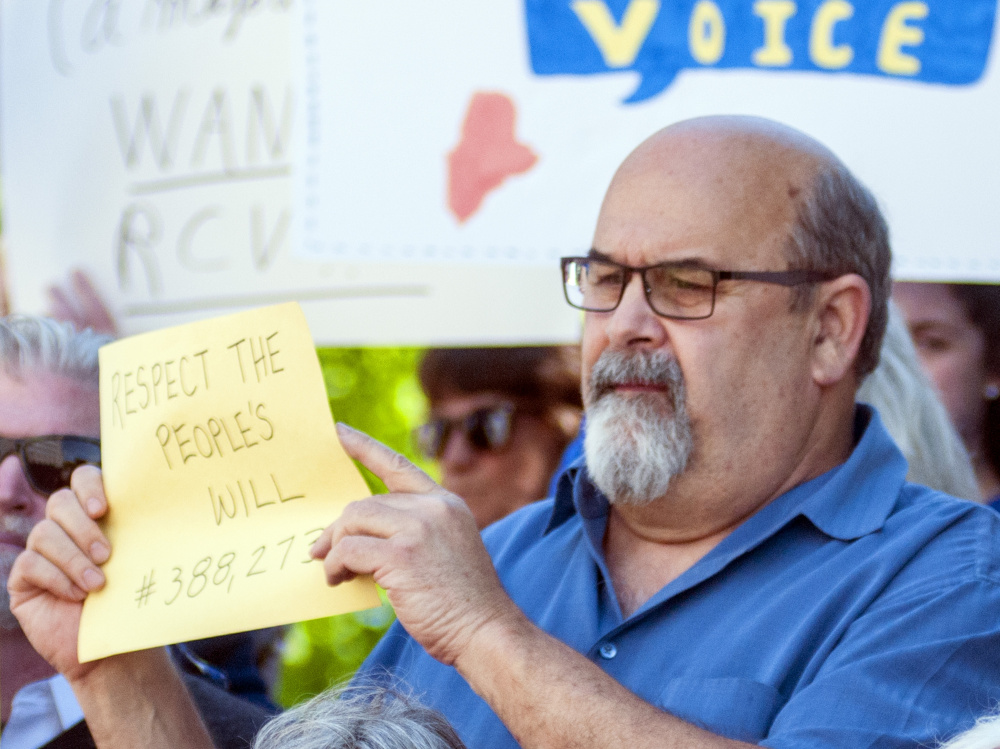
(484, 429)
(49, 461)
(677, 291)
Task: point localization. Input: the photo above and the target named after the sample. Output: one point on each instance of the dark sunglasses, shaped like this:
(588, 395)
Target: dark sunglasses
(49, 461)
(484, 429)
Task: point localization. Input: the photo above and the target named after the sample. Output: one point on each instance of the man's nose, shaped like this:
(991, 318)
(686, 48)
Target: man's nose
(15, 492)
(633, 323)
(457, 453)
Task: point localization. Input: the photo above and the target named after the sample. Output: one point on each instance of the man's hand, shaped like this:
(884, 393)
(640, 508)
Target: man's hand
(421, 544)
(60, 565)
(79, 302)
(129, 700)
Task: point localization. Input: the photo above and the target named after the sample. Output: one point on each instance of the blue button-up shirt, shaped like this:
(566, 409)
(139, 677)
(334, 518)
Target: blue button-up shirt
(855, 610)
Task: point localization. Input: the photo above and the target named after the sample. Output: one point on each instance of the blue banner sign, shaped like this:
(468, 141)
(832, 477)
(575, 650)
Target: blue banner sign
(932, 41)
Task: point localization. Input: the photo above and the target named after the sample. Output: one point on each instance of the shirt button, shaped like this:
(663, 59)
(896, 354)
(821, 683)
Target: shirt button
(608, 650)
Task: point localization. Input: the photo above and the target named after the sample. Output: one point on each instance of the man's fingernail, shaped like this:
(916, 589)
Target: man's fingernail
(94, 505)
(99, 552)
(93, 579)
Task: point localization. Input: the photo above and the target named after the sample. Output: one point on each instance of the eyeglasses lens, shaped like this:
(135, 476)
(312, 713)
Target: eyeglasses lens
(680, 292)
(430, 438)
(593, 285)
(488, 428)
(49, 463)
(484, 429)
(597, 285)
(496, 427)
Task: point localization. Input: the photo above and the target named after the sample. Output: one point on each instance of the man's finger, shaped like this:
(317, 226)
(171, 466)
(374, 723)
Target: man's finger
(59, 305)
(33, 573)
(66, 510)
(353, 556)
(380, 516)
(50, 541)
(88, 483)
(398, 473)
(94, 313)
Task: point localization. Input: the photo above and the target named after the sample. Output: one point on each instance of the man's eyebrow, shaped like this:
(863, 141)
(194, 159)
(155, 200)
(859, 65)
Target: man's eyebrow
(692, 262)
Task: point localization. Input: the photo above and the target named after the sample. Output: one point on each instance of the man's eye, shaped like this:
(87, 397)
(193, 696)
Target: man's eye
(605, 278)
(684, 284)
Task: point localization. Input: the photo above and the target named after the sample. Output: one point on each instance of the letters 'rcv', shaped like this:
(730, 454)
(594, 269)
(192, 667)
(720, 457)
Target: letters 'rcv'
(932, 41)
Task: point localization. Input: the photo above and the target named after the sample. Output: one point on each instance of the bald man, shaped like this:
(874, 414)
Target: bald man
(738, 560)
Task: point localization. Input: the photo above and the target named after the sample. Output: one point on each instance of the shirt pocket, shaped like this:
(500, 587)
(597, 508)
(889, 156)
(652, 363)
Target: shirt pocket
(735, 708)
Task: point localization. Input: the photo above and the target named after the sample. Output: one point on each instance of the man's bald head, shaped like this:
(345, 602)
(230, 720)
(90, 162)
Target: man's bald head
(765, 181)
(746, 148)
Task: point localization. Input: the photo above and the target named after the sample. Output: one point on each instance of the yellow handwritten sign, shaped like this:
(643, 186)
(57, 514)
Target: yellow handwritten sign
(222, 467)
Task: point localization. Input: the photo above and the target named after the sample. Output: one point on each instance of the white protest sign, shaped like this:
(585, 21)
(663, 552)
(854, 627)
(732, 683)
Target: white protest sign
(905, 93)
(152, 142)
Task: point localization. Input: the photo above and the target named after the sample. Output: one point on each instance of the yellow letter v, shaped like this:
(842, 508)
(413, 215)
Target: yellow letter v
(619, 44)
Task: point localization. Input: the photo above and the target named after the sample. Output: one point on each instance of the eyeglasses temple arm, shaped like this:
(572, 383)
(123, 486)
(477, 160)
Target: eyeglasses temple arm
(780, 277)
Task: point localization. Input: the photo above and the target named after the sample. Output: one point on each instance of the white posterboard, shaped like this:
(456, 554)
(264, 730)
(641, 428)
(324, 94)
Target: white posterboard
(906, 93)
(411, 171)
(153, 143)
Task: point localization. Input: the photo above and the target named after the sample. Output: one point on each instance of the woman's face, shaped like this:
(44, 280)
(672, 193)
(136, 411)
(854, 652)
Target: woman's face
(952, 351)
(495, 482)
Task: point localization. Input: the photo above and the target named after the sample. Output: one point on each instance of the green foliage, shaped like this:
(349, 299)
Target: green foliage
(376, 391)
(324, 652)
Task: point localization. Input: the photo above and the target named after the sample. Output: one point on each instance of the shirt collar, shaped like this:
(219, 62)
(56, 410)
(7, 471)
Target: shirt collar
(567, 496)
(70, 712)
(858, 495)
(847, 502)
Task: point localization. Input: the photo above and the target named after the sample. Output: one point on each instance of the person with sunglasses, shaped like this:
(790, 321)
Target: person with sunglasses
(50, 426)
(738, 559)
(500, 419)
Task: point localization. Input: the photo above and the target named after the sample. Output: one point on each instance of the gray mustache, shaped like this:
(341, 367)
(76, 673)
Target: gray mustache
(614, 368)
(17, 524)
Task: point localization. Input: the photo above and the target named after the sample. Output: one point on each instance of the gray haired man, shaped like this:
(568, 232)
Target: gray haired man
(50, 425)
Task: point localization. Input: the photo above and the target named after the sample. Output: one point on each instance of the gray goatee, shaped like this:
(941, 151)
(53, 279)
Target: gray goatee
(22, 526)
(635, 444)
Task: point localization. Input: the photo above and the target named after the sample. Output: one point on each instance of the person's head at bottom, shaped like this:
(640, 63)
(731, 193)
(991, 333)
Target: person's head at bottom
(359, 717)
(985, 734)
(500, 419)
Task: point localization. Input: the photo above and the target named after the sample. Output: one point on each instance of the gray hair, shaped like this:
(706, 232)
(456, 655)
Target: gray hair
(916, 418)
(30, 343)
(840, 229)
(359, 717)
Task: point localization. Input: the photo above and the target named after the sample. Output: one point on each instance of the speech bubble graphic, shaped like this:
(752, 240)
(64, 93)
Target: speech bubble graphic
(944, 42)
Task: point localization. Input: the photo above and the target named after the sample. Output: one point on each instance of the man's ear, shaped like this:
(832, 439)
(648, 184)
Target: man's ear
(841, 308)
